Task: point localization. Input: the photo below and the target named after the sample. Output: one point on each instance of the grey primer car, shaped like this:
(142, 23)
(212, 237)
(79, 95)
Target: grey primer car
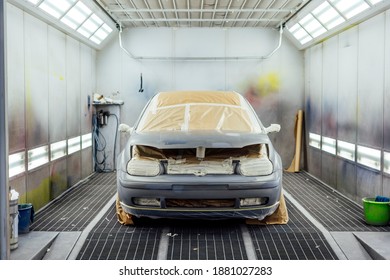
(199, 154)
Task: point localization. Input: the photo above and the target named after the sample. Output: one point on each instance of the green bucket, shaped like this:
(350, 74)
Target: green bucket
(376, 213)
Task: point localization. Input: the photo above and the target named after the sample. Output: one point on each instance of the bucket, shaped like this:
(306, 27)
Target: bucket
(13, 222)
(376, 213)
(26, 217)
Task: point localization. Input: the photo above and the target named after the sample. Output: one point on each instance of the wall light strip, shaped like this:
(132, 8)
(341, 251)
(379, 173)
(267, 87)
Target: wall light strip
(16, 164)
(86, 141)
(315, 140)
(386, 162)
(346, 150)
(73, 145)
(58, 150)
(37, 157)
(329, 145)
(369, 157)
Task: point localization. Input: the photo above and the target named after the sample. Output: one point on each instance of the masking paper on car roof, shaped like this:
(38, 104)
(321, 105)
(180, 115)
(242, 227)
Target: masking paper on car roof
(197, 111)
(183, 97)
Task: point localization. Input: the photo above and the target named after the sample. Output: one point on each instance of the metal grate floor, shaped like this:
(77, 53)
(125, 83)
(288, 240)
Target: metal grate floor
(109, 240)
(78, 207)
(299, 239)
(332, 210)
(204, 240)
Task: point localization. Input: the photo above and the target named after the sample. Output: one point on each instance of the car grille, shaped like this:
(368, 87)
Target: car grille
(200, 203)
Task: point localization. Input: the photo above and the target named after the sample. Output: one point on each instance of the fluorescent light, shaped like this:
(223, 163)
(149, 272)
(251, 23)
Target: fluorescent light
(77, 15)
(328, 16)
(374, 2)
(350, 8)
(86, 140)
(315, 140)
(386, 161)
(346, 150)
(300, 34)
(34, 2)
(58, 150)
(16, 164)
(37, 157)
(369, 157)
(101, 34)
(56, 8)
(73, 145)
(329, 145)
(312, 25)
(90, 26)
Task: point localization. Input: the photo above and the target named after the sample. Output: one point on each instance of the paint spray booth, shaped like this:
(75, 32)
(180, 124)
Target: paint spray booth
(74, 73)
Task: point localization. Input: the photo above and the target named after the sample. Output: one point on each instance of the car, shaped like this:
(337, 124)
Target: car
(199, 155)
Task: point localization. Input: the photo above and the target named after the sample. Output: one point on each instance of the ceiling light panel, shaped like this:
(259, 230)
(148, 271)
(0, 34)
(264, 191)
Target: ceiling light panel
(77, 16)
(312, 25)
(101, 34)
(300, 34)
(90, 26)
(350, 8)
(374, 2)
(328, 15)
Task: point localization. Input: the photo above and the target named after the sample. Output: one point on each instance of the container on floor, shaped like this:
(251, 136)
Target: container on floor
(26, 217)
(376, 213)
(14, 221)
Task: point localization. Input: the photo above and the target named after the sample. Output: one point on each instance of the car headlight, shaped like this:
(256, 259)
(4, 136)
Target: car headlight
(144, 167)
(255, 167)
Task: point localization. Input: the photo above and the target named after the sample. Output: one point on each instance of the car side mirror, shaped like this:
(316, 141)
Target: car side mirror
(273, 128)
(124, 128)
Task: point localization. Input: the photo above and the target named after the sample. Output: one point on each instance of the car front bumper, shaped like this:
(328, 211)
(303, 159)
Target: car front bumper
(188, 187)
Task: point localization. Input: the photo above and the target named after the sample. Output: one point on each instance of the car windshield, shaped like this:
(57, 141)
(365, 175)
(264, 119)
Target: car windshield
(190, 111)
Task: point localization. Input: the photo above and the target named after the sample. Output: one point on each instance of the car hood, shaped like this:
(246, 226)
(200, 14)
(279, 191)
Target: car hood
(207, 139)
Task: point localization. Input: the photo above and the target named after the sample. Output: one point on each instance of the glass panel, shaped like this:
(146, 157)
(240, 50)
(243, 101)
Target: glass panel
(315, 140)
(73, 145)
(58, 150)
(369, 157)
(16, 164)
(346, 150)
(350, 8)
(329, 145)
(328, 16)
(37, 157)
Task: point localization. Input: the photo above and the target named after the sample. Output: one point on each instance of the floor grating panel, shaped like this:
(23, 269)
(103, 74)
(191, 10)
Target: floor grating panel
(206, 240)
(299, 239)
(109, 240)
(76, 209)
(332, 210)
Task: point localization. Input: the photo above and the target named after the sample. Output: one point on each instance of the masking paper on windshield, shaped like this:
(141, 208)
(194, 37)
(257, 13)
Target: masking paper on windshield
(198, 111)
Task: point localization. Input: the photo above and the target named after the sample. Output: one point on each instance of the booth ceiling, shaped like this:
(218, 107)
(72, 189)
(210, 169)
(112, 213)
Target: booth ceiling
(201, 13)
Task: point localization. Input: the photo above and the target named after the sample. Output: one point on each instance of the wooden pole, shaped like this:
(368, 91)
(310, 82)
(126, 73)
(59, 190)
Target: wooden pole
(295, 164)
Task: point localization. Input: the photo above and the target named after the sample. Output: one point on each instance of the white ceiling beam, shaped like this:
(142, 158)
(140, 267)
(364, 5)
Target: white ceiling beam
(196, 20)
(198, 10)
